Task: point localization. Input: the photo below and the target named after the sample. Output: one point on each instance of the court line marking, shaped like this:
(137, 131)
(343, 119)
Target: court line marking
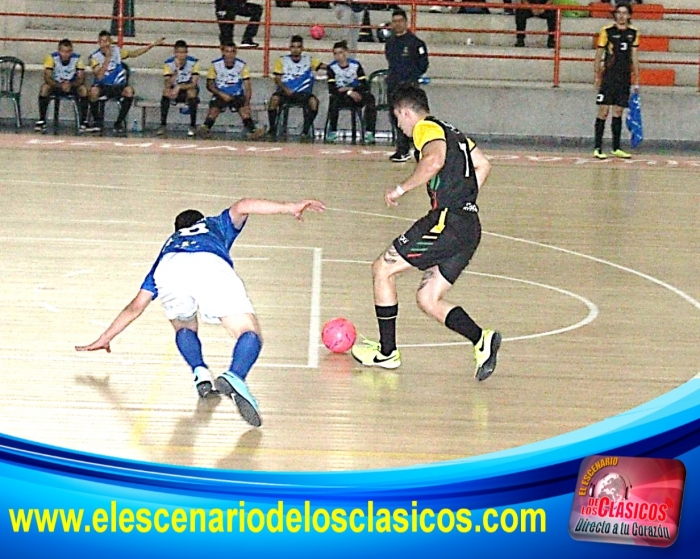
(590, 317)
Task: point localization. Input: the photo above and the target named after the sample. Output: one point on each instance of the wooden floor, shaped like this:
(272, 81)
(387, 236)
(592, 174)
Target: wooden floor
(589, 269)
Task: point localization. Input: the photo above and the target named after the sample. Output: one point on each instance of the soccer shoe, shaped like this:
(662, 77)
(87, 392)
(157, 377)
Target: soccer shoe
(620, 154)
(331, 137)
(203, 381)
(256, 134)
(598, 154)
(204, 132)
(306, 138)
(248, 44)
(235, 387)
(369, 353)
(40, 126)
(400, 157)
(191, 132)
(369, 138)
(485, 352)
(162, 131)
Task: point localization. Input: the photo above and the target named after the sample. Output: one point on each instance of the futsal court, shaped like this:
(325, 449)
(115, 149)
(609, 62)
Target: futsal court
(589, 269)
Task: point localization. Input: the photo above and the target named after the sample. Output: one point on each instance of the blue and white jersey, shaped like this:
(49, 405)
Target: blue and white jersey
(64, 71)
(297, 75)
(349, 76)
(116, 73)
(182, 74)
(229, 80)
(211, 234)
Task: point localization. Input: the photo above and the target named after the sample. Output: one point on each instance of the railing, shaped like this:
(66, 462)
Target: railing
(557, 57)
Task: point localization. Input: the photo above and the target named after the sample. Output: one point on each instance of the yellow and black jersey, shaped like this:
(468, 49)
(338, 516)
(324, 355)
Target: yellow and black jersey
(618, 44)
(455, 186)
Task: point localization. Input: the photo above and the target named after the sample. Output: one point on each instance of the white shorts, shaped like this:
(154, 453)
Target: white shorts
(188, 282)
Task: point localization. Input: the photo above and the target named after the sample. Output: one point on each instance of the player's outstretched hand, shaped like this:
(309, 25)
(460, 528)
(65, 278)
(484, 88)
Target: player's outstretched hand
(94, 346)
(391, 196)
(298, 208)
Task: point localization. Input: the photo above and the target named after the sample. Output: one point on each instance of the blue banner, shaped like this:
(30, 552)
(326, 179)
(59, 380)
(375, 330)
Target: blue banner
(61, 503)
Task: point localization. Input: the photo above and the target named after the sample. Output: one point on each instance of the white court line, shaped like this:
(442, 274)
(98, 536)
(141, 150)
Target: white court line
(590, 317)
(48, 306)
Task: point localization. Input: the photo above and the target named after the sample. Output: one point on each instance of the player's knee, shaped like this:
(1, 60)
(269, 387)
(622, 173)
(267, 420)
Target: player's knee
(313, 103)
(426, 301)
(128, 91)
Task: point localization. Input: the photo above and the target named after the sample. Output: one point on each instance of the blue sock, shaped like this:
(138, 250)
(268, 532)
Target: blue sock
(190, 347)
(245, 354)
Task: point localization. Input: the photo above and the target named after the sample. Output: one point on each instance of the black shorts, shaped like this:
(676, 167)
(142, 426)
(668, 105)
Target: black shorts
(296, 98)
(614, 93)
(182, 96)
(111, 91)
(444, 238)
(58, 92)
(234, 104)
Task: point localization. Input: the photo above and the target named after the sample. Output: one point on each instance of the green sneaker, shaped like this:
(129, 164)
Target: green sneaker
(230, 385)
(485, 354)
(369, 354)
(621, 154)
(369, 138)
(331, 137)
(598, 154)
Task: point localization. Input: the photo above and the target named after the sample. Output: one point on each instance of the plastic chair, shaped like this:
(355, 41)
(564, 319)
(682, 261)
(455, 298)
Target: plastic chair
(56, 98)
(357, 123)
(102, 100)
(283, 123)
(11, 80)
(378, 88)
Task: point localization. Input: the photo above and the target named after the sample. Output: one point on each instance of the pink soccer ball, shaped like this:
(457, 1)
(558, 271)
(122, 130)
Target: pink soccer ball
(317, 31)
(338, 335)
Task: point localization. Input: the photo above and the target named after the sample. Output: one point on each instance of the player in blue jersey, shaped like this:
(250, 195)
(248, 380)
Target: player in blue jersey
(194, 273)
(294, 77)
(111, 79)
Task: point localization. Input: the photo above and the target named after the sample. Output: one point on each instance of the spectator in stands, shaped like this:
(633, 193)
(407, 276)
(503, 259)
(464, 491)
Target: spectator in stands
(64, 74)
(522, 15)
(294, 77)
(227, 10)
(111, 79)
(350, 13)
(616, 62)
(181, 72)
(347, 87)
(407, 58)
(229, 82)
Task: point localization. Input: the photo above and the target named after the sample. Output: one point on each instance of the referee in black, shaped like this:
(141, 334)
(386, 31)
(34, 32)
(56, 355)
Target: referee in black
(407, 57)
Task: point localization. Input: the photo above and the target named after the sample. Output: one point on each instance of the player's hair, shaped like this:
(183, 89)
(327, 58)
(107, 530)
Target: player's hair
(410, 97)
(399, 12)
(340, 45)
(187, 219)
(228, 44)
(104, 33)
(180, 44)
(623, 4)
(65, 43)
(296, 39)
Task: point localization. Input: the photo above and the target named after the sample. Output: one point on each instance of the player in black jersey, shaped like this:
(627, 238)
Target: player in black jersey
(616, 63)
(441, 243)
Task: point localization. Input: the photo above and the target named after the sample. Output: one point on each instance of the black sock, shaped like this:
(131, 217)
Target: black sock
(272, 120)
(126, 105)
(164, 108)
(43, 107)
(459, 321)
(97, 118)
(309, 117)
(386, 317)
(209, 122)
(616, 131)
(83, 109)
(599, 130)
(248, 124)
(192, 104)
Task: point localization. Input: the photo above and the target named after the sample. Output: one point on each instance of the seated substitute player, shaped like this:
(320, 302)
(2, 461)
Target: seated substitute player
(181, 73)
(441, 243)
(294, 77)
(194, 272)
(64, 74)
(347, 87)
(229, 81)
(111, 79)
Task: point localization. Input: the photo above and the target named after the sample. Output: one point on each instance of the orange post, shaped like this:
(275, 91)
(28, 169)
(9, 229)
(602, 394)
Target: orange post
(266, 42)
(557, 51)
(120, 24)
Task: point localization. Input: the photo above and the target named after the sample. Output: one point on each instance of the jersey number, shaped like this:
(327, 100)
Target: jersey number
(623, 46)
(463, 148)
(196, 229)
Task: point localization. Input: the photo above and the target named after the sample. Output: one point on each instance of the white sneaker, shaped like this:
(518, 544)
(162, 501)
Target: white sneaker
(203, 381)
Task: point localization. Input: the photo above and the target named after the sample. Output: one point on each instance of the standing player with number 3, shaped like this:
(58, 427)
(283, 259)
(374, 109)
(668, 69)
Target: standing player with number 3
(194, 272)
(441, 243)
(616, 61)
